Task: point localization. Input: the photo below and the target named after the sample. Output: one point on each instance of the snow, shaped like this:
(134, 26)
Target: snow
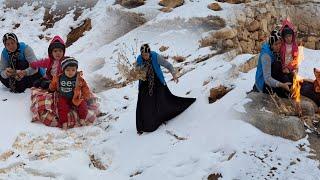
(214, 140)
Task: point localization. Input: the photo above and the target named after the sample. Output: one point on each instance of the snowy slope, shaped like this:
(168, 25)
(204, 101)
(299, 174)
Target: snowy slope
(212, 140)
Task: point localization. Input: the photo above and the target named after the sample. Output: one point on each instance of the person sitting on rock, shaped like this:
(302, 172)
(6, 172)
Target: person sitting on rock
(264, 82)
(311, 88)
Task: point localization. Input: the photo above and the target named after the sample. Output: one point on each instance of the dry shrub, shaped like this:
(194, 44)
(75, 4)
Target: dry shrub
(129, 71)
(209, 22)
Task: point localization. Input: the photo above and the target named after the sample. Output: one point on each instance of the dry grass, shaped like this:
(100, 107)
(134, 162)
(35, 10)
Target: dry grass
(129, 71)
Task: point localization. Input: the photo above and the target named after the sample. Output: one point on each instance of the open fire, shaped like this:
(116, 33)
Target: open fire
(296, 86)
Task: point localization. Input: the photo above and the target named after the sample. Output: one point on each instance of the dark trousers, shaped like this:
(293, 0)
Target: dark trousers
(22, 85)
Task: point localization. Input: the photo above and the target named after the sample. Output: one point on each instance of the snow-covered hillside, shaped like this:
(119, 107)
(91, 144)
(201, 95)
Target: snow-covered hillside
(205, 139)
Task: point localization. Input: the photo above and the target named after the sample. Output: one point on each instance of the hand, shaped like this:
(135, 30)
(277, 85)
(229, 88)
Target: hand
(286, 71)
(21, 74)
(9, 72)
(175, 78)
(285, 86)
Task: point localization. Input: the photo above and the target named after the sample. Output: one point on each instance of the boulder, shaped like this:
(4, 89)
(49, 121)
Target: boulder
(215, 7)
(263, 113)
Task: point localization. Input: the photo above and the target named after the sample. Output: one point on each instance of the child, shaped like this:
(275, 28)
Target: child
(56, 52)
(73, 91)
(289, 49)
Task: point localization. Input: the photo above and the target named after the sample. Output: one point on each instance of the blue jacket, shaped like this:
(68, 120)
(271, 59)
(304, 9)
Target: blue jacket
(22, 47)
(265, 49)
(155, 64)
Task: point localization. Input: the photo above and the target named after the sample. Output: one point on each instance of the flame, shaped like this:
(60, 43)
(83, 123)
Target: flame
(297, 79)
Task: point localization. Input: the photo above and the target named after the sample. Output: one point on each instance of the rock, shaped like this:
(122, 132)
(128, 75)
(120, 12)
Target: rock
(163, 48)
(264, 115)
(243, 35)
(130, 3)
(302, 28)
(217, 93)
(214, 176)
(264, 25)
(179, 58)
(171, 3)
(254, 26)
(247, 46)
(228, 43)
(249, 65)
(225, 33)
(318, 45)
(78, 32)
(234, 1)
(215, 7)
(310, 45)
(311, 39)
(254, 36)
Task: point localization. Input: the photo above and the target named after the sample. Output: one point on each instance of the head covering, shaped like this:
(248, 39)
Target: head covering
(10, 36)
(274, 37)
(286, 30)
(69, 61)
(56, 42)
(145, 48)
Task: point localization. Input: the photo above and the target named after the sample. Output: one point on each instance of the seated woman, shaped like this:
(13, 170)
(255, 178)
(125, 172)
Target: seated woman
(311, 88)
(15, 71)
(269, 66)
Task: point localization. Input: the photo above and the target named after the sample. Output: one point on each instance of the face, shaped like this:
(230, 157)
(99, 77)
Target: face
(276, 46)
(11, 45)
(317, 74)
(70, 71)
(145, 56)
(288, 38)
(57, 53)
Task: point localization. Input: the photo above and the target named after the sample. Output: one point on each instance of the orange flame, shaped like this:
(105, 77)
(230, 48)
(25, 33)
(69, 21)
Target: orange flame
(297, 79)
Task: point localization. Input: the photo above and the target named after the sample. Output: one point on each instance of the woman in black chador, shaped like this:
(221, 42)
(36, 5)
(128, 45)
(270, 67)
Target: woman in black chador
(156, 104)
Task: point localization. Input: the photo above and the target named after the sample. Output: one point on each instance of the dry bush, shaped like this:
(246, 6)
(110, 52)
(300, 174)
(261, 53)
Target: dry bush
(129, 71)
